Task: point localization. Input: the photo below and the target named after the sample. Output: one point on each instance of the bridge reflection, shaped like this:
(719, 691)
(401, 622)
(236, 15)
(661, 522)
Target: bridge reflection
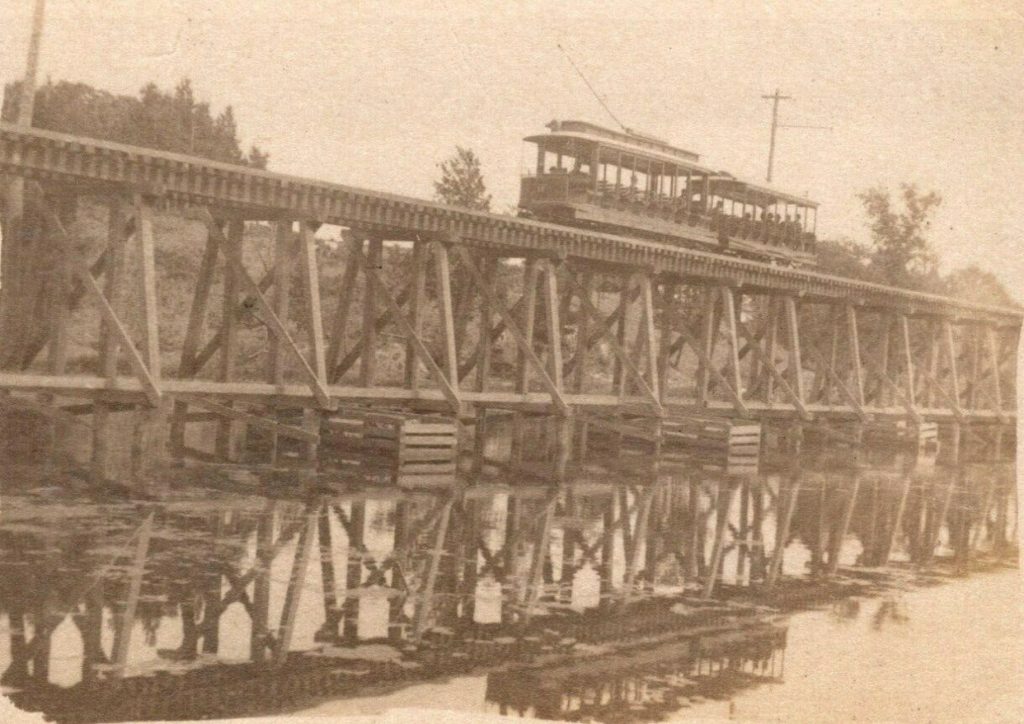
(222, 595)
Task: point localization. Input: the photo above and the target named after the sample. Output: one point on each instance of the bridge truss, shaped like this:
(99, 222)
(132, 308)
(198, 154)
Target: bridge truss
(686, 332)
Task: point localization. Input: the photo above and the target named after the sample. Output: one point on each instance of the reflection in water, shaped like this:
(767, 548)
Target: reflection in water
(613, 596)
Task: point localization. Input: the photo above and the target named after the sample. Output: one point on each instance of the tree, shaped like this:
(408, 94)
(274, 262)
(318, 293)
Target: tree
(847, 258)
(901, 253)
(978, 286)
(168, 121)
(462, 182)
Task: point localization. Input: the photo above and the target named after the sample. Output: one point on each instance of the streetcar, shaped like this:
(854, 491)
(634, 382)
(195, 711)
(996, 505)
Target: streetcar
(632, 184)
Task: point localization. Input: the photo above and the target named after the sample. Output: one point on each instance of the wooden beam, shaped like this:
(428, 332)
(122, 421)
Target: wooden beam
(442, 267)
(346, 292)
(314, 312)
(793, 329)
(647, 302)
(531, 275)
(954, 377)
(228, 433)
(997, 393)
(554, 323)
(417, 300)
(599, 331)
(583, 334)
(150, 322)
(706, 350)
(448, 387)
(136, 572)
(368, 360)
(719, 545)
(553, 389)
(296, 583)
(769, 366)
(276, 326)
(840, 385)
(699, 348)
(618, 348)
(898, 391)
(426, 595)
(200, 303)
(782, 534)
(908, 358)
(483, 349)
(233, 413)
(729, 317)
(281, 300)
(149, 384)
(669, 311)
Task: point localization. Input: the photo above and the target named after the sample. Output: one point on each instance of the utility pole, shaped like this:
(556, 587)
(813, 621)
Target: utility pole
(775, 98)
(27, 102)
(12, 264)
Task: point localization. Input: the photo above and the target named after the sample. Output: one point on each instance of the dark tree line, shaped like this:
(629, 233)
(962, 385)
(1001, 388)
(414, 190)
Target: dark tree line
(169, 121)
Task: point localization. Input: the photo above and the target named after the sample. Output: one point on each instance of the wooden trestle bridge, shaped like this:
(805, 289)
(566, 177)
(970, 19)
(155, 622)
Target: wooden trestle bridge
(888, 354)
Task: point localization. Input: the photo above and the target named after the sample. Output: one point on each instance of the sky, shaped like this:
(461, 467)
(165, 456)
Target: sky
(378, 94)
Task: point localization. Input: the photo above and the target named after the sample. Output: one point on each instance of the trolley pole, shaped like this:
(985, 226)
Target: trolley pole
(775, 98)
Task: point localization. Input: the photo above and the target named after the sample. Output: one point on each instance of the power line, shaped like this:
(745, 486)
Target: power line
(592, 90)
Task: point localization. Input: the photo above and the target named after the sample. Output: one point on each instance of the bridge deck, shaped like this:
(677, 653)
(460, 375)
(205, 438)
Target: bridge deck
(187, 180)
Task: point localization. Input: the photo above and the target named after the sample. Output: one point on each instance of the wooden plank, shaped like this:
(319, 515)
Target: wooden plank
(54, 413)
(554, 324)
(993, 353)
(368, 360)
(150, 321)
(346, 292)
(729, 317)
(954, 377)
(782, 535)
(290, 431)
(669, 311)
(706, 350)
(444, 302)
(281, 301)
(149, 385)
(719, 544)
(908, 358)
(200, 303)
(793, 334)
(416, 301)
(136, 573)
(296, 583)
(483, 349)
(853, 340)
(314, 313)
(647, 302)
(531, 274)
(228, 433)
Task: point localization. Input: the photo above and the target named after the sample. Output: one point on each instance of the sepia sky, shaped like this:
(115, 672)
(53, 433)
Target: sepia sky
(342, 90)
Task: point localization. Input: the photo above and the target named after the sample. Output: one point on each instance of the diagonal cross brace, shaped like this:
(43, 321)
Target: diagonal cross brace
(510, 323)
(691, 339)
(450, 392)
(142, 372)
(277, 327)
(617, 348)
